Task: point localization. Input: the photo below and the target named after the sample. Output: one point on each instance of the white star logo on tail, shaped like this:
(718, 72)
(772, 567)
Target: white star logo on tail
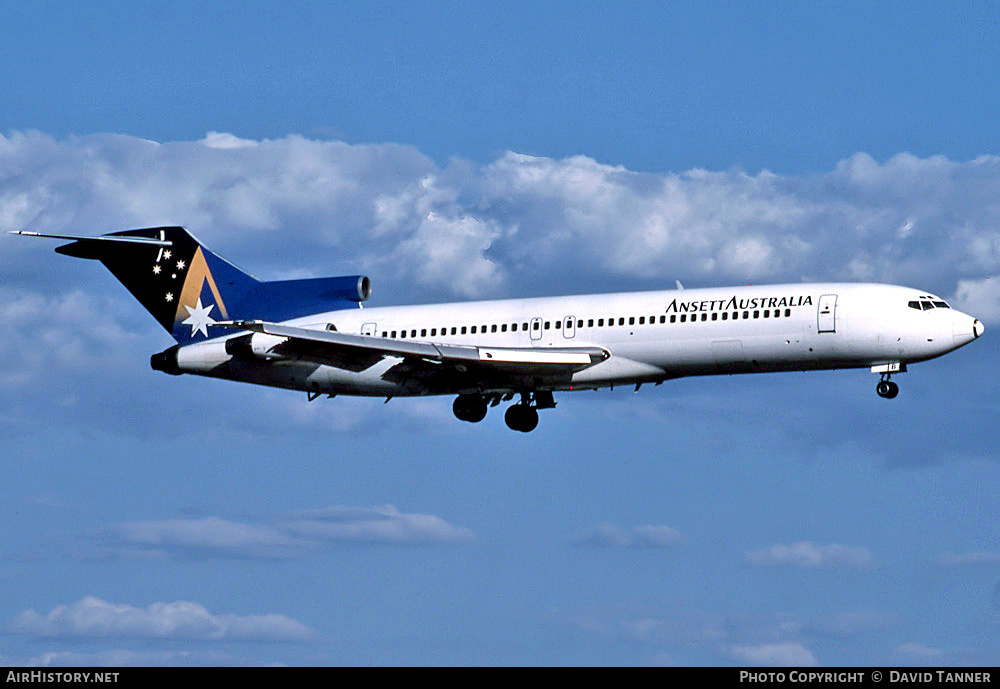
(198, 318)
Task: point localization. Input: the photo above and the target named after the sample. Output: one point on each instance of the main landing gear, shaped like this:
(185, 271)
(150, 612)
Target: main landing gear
(471, 408)
(521, 416)
(886, 388)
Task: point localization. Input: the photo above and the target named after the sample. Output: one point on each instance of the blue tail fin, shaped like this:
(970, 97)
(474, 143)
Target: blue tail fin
(187, 287)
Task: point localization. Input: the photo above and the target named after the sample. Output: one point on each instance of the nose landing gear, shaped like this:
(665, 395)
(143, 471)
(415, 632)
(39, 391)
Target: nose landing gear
(886, 388)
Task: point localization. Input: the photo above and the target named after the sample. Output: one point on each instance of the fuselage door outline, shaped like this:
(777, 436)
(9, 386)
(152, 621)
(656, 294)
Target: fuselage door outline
(826, 314)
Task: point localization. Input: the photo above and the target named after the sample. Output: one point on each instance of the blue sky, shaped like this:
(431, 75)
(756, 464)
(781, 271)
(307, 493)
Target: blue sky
(456, 152)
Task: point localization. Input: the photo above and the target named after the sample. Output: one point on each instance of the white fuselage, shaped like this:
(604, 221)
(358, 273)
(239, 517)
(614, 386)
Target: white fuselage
(650, 336)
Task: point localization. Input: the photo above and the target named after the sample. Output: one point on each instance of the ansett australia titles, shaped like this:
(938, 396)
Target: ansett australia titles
(735, 303)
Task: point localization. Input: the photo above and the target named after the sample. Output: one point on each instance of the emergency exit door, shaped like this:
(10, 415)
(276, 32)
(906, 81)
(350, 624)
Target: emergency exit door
(826, 314)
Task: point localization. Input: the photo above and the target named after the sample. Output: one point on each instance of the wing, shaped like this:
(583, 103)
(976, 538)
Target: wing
(430, 365)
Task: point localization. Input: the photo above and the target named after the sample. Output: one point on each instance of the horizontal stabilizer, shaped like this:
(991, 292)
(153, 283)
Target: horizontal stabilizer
(93, 247)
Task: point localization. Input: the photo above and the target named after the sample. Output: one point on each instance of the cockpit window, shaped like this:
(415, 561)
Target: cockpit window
(927, 303)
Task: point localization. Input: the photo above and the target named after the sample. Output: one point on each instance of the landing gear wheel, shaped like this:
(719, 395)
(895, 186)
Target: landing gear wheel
(471, 408)
(521, 417)
(887, 389)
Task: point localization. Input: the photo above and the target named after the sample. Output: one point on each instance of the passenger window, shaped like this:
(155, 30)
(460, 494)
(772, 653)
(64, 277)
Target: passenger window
(673, 318)
(788, 313)
(715, 316)
(725, 315)
(434, 331)
(642, 320)
(393, 334)
(590, 322)
(683, 317)
(704, 316)
(535, 325)
(473, 330)
(463, 329)
(503, 327)
(746, 315)
(493, 328)
(631, 320)
(621, 321)
(756, 314)
(767, 314)
(423, 332)
(663, 319)
(558, 325)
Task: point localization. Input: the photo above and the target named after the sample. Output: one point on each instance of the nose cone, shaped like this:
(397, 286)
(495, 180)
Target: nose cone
(966, 329)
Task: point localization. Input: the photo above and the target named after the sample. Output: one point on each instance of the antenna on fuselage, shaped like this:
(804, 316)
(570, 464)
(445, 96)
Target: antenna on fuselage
(679, 285)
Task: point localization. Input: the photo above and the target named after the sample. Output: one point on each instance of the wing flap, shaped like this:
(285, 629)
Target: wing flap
(359, 352)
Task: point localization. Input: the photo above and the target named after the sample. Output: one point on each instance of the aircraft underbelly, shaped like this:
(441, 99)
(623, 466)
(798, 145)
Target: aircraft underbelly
(311, 377)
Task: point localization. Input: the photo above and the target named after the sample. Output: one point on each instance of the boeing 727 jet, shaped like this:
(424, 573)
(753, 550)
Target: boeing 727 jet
(312, 335)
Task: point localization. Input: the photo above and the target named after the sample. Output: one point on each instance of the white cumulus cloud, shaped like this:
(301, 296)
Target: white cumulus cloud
(284, 536)
(646, 536)
(519, 225)
(808, 555)
(779, 654)
(91, 617)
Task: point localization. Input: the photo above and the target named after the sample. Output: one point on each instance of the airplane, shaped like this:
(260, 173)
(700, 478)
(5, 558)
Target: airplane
(315, 335)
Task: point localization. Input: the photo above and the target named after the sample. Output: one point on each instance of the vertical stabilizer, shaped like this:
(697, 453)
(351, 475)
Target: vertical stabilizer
(185, 286)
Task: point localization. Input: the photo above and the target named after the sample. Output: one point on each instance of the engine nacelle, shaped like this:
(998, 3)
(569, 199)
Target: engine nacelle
(364, 288)
(282, 300)
(193, 358)
(254, 346)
